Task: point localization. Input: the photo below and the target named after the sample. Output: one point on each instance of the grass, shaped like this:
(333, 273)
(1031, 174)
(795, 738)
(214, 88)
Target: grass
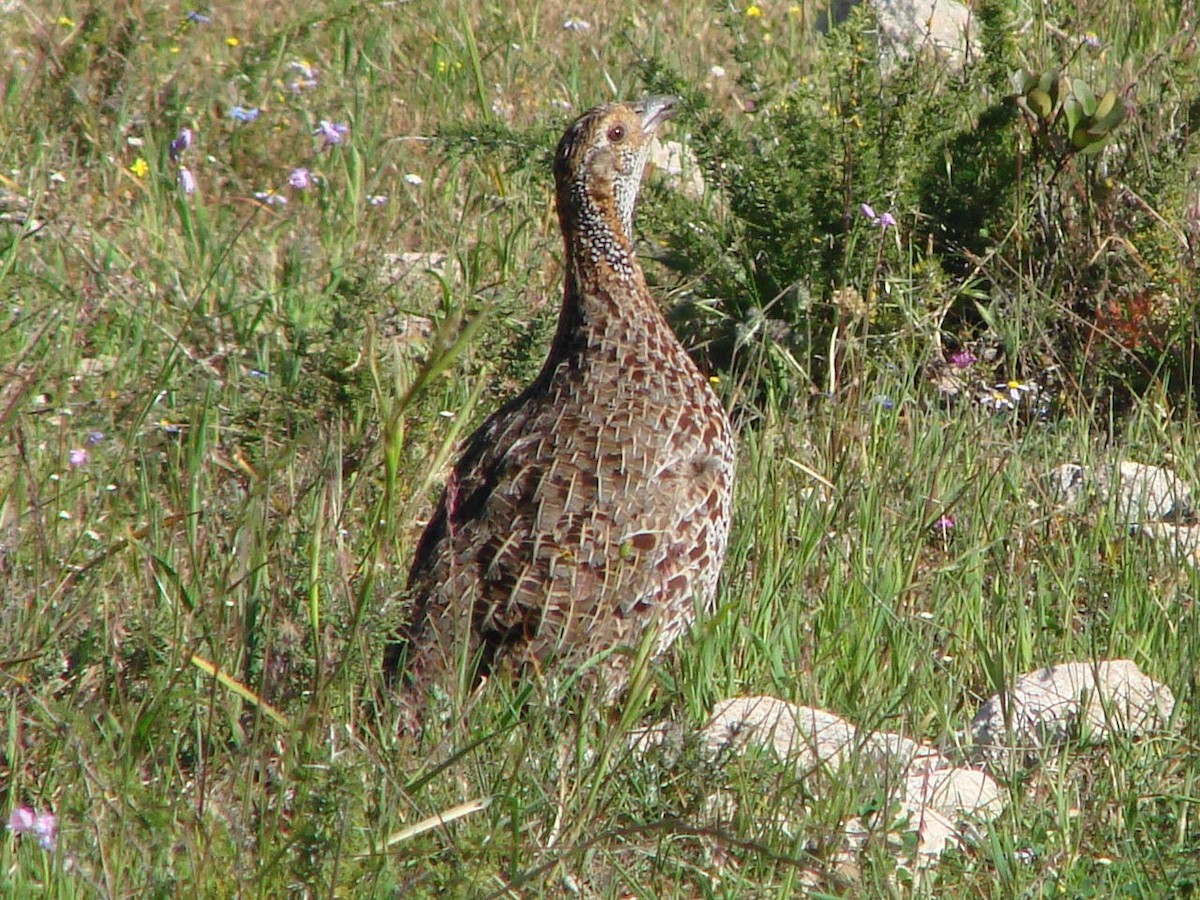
(267, 396)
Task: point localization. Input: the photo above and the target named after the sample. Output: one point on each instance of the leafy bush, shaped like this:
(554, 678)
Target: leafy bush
(1030, 214)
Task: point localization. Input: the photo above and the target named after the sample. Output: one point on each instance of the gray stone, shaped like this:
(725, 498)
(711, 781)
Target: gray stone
(942, 27)
(1049, 706)
(677, 165)
(1181, 541)
(1139, 492)
(933, 794)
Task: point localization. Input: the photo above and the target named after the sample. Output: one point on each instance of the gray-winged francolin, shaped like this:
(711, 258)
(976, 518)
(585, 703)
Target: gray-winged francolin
(596, 504)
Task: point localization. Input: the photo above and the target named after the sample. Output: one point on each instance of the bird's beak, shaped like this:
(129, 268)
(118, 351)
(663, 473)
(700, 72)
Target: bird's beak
(656, 110)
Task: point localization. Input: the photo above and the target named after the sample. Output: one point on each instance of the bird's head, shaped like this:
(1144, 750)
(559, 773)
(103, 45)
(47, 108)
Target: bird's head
(599, 163)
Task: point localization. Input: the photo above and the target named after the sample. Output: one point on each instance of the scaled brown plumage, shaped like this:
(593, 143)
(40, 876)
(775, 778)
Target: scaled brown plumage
(595, 505)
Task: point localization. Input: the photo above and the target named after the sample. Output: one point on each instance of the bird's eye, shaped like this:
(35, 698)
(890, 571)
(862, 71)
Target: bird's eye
(616, 134)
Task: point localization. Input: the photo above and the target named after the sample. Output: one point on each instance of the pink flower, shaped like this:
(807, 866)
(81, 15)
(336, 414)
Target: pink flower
(20, 821)
(78, 456)
(187, 181)
(45, 826)
(885, 221)
(181, 143)
(331, 133)
(42, 825)
(962, 358)
(299, 179)
(944, 525)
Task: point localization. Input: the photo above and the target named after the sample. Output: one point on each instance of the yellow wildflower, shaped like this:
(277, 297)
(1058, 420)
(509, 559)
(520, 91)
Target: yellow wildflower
(753, 12)
(231, 41)
(140, 168)
(66, 22)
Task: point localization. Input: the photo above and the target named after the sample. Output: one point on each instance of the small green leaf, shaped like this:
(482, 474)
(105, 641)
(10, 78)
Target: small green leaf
(1083, 93)
(1106, 105)
(1022, 81)
(1039, 101)
(1062, 88)
(1073, 110)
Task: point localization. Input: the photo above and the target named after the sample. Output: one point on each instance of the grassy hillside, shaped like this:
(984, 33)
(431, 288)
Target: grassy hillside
(229, 390)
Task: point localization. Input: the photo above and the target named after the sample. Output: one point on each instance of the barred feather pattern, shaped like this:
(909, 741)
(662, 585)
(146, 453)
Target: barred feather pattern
(596, 504)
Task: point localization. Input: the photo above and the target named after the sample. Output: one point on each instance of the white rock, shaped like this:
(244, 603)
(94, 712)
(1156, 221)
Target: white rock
(1141, 493)
(1182, 541)
(1066, 484)
(799, 735)
(678, 166)
(1046, 707)
(955, 792)
(1145, 493)
(941, 26)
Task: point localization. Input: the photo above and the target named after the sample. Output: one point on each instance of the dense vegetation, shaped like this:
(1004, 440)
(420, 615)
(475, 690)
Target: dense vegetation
(262, 265)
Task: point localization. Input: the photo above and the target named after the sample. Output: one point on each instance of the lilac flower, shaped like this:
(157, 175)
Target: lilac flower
(45, 826)
(198, 18)
(962, 358)
(331, 133)
(181, 143)
(944, 525)
(299, 179)
(187, 181)
(42, 825)
(77, 456)
(20, 821)
(243, 115)
(95, 437)
(885, 221)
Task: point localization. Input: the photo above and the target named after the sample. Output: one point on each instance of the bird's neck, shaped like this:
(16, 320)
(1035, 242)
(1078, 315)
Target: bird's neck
(598, 239)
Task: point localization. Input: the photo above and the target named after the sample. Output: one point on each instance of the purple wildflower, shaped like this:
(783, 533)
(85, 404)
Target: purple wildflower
(198, 18)
(944, 525)
(962, 358)
(885, 221)
(331, 133)
(299, 179)
(181, 143)
(20, 820)
(243, 115)
(95, 437)
(187, 181)
(77, 456)
(42, 825)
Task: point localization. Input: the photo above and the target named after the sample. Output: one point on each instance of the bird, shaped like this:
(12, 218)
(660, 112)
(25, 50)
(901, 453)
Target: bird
(590, 512)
